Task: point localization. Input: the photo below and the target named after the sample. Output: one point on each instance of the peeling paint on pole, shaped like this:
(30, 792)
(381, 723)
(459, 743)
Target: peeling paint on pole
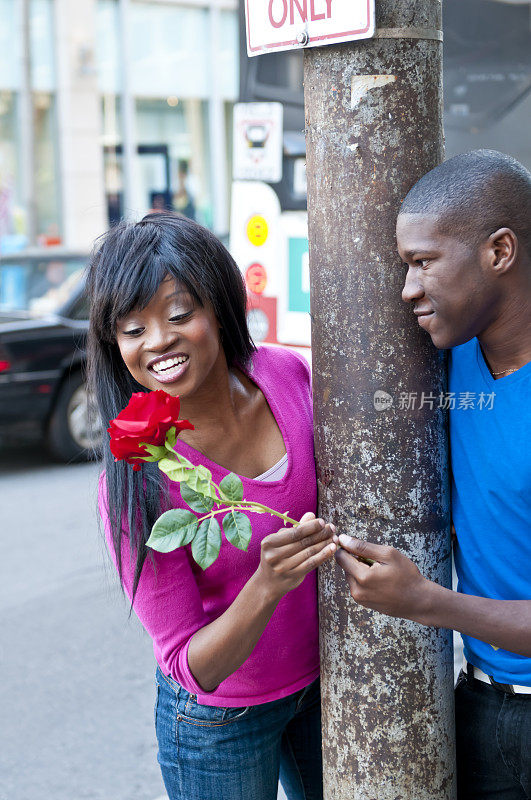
(373, 127)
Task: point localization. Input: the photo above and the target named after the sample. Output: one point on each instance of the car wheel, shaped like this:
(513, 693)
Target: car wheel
(74, 431)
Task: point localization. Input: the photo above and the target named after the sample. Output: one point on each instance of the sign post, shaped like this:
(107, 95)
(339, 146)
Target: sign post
(373, 127)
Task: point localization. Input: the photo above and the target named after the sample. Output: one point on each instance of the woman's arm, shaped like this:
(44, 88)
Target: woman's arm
(393, 585)
(219, 648)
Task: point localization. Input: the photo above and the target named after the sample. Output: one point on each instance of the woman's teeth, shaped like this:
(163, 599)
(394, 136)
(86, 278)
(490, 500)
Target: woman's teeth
(160, 366)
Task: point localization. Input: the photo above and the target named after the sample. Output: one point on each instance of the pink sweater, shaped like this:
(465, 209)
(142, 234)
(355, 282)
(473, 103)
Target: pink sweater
(181, 598)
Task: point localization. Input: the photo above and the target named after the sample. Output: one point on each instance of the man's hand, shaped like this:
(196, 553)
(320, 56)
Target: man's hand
(392, 584)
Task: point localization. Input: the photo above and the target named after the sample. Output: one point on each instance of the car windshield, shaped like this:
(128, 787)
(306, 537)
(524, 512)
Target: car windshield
(38, 286)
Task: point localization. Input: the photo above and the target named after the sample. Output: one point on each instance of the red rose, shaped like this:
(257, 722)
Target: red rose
(147, 419)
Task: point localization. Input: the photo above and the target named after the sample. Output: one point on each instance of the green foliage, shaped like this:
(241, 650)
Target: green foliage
(207, 542)
(200, 480)
(232, 488)
(174, 470)
(196, 501)
(237, 529)
(173, 529)
(171, 438)
(155, 453)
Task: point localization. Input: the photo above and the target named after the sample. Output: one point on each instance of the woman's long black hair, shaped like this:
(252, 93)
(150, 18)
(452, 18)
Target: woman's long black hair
(127, 267)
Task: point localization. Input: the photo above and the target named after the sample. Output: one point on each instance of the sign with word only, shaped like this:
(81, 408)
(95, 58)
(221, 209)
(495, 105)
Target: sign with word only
(274, 25)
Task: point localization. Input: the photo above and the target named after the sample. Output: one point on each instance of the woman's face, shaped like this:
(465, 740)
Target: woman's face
(173, 343)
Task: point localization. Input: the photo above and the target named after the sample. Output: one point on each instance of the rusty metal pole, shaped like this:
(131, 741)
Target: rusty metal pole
(373, 127)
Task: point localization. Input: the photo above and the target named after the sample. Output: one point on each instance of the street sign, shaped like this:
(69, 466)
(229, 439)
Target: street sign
(274, 25)
(257, 150)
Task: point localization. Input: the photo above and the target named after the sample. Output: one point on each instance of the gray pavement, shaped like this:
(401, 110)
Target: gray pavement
(77, 676)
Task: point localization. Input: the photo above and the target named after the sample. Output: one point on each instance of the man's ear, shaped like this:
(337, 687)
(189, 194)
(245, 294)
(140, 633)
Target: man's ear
(503, 250)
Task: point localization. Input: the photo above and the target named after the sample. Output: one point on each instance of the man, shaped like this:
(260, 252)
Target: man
(464, 234)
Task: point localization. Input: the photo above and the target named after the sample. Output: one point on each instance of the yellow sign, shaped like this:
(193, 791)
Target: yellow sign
(257, 230)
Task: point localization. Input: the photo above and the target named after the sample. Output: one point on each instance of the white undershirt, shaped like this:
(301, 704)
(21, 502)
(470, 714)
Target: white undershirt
(276, 472)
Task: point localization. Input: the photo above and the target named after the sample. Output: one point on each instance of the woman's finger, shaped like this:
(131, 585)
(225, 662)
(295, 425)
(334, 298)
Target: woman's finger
(291, 535)
(278, 554)
(317, 559)
(296, 560)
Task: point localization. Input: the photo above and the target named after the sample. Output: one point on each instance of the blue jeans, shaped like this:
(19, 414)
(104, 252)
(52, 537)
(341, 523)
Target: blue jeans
(493, 737)
(210, 753)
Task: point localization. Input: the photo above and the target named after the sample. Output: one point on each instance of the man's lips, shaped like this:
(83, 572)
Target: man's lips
(420, 312)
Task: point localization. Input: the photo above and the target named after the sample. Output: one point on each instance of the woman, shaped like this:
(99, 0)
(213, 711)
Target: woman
(237, 644)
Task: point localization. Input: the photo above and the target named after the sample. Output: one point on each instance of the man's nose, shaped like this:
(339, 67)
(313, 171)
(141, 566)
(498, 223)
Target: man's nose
(412, 287)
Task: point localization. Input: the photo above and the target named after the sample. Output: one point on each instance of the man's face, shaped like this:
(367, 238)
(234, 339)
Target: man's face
(446, 282)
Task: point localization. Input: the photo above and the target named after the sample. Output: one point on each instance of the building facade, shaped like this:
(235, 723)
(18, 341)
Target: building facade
(110, 108)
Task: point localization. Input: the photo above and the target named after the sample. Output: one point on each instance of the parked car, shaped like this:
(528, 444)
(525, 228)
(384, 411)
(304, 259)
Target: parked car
(43, 330)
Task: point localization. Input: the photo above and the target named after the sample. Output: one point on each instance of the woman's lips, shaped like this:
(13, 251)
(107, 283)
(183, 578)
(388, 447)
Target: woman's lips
(171, 374)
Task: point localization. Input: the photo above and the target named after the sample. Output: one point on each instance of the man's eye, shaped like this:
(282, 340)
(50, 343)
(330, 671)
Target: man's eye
(422, 262)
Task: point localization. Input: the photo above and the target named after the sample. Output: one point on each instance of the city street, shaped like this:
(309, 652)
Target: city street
(77, 675)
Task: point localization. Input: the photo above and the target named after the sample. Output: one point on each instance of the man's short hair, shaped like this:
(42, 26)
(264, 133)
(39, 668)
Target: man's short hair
(475, 194)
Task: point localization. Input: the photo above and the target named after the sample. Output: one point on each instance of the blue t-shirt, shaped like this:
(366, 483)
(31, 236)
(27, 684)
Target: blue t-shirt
(490, 436)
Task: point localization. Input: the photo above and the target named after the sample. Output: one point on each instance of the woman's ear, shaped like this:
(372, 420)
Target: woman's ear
(503, 250)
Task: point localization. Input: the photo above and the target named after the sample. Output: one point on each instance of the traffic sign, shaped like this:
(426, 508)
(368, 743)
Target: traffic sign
(257, 148)
(274, 25)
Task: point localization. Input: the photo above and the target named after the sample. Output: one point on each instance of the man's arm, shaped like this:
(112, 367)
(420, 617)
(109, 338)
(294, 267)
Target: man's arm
(393, 585)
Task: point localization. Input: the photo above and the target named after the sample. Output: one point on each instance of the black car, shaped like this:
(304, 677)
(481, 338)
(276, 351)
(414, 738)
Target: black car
(43, 330)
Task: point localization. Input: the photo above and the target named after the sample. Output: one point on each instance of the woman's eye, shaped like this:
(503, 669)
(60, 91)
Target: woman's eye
(133, 332)
(180, 317)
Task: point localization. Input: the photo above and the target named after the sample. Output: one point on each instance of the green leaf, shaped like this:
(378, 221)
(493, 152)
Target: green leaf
(232, 487)
(237, 528)
(197, 502)
(174, 470)
(173, 529)
(155, 452)
(183, 461)
(207, 542)
(200, 480)
(171, 438)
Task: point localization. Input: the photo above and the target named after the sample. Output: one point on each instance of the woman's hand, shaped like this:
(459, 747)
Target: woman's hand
(291, 553)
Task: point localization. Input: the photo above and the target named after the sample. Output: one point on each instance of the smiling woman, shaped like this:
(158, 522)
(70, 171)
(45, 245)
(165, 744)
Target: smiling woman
(168, 312)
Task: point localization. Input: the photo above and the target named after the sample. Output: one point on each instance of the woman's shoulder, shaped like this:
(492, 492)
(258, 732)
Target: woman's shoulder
(270, 361)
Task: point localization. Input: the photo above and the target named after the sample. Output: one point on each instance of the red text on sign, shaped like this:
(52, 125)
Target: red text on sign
(299, 11)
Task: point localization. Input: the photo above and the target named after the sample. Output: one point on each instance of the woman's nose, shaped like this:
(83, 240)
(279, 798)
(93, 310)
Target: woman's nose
(412, 287)
(160, 337)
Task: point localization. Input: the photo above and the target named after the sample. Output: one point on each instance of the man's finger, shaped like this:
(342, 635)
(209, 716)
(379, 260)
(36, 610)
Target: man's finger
(358, 547)
(351, 565)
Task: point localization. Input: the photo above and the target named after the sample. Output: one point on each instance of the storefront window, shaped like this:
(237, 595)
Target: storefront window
(108, 47)
(170, 78)
(169, 51)
(42, 52)
(13, 214)
(173, 156)
(46, 172)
